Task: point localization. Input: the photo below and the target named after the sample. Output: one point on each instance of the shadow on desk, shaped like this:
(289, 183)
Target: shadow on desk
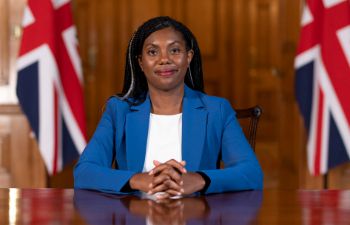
(239, 208)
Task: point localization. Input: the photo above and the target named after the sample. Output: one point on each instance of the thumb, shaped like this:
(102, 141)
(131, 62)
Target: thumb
(156, 163)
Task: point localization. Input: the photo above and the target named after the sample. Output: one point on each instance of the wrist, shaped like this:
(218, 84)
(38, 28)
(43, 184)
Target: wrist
(139, 181)
(206, 180)
(196, 180)
(201, 183)
(133, 182)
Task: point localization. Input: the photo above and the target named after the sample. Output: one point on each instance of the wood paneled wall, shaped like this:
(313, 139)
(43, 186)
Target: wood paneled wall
(248, 49)
(20, 160)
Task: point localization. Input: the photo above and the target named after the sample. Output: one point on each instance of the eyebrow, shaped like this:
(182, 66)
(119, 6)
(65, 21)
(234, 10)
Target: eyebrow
(154, 45)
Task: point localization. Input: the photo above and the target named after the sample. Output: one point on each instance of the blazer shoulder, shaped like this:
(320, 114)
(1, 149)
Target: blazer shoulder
(216, 103)
(116, 104)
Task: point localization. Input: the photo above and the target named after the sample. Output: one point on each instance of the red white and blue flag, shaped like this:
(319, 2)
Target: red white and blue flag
(323, 82)
(49, 84)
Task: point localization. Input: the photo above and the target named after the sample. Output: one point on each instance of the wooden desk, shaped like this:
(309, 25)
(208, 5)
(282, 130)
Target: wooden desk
(66, 206)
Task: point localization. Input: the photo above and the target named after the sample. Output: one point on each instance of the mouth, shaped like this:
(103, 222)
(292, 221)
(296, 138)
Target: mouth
(166, 72)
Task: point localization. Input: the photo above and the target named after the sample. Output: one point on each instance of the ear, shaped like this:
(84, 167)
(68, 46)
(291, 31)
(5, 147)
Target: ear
(190, 54)
(139, 59)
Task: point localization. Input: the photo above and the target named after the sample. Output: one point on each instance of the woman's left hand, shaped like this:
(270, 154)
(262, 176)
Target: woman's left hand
(192, 182)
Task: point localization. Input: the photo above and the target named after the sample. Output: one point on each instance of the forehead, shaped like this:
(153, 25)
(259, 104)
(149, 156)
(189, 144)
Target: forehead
(168, 35)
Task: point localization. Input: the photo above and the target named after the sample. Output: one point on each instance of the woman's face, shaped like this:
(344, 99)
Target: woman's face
(164, 60)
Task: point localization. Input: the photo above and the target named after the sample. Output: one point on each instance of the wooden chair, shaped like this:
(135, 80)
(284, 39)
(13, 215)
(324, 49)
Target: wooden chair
(249, 118)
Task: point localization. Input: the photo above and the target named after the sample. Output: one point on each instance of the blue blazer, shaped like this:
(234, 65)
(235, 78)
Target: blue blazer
(209, 129)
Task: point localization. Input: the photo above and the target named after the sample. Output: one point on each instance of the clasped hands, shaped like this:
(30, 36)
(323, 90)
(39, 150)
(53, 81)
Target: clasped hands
(170, 178)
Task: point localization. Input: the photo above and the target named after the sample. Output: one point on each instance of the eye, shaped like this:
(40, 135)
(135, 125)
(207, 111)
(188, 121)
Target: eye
(152, 52)
(175, 50)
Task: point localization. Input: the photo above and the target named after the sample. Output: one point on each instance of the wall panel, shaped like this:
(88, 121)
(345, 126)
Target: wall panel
(20, 158)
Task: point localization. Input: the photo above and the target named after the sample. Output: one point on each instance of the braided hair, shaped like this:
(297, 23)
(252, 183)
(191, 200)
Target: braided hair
(135, 83)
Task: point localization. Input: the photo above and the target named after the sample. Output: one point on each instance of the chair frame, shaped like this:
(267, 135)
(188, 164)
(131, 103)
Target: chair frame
(254, 114)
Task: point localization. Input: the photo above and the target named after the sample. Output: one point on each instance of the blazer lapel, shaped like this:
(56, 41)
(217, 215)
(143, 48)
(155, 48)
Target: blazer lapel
(136, 126)
(194, 121)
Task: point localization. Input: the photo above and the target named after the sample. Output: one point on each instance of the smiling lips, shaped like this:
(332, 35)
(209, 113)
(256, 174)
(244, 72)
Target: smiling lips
(166, 72)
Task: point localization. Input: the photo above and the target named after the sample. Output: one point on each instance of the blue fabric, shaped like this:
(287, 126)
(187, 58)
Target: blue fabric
(28, 95)
(209, 126)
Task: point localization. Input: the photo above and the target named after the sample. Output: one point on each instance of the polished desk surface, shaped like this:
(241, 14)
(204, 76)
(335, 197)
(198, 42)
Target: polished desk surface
(68, 206)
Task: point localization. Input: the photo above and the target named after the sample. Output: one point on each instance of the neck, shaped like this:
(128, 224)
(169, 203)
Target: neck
(166, 102)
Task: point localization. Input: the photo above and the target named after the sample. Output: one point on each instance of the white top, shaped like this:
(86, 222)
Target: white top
(164, 139)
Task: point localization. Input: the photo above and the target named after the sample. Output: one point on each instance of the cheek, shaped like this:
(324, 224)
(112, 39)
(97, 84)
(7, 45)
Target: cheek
(143, 65)
(183, 62)
(179, 60)
(148, 62)
(147, 66)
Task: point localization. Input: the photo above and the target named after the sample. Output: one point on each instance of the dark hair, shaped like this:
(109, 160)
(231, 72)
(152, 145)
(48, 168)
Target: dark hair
(135, 83)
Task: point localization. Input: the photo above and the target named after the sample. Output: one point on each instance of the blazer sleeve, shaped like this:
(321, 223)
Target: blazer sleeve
(242, 170)
(94, 168)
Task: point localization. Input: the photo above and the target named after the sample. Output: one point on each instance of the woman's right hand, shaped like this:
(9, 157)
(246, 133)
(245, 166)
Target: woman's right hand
(141, 181)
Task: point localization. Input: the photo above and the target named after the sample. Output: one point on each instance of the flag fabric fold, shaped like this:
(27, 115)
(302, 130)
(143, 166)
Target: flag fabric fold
(323, 82)
(50, 82)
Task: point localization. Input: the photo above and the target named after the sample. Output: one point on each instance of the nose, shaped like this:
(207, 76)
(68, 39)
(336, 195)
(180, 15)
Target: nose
(164, 58)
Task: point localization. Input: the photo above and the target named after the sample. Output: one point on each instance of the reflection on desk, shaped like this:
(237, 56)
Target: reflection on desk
(232, 208)
(278, 207)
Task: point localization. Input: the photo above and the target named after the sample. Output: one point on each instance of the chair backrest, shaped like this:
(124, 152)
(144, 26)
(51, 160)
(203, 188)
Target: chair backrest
(249, 118)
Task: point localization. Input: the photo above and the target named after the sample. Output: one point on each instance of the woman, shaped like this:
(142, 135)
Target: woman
(162, 132)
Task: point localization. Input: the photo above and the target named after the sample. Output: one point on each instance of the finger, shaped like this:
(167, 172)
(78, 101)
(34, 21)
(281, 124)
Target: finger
(163, 196)
(170, 178)
(158, 169)
(178, 165)
(173, 174)
(156, 163)
(158, 188)
(165, 186)
(157, 180)
(173, 192)
(182, 163)
(173, 185)
(168, 186)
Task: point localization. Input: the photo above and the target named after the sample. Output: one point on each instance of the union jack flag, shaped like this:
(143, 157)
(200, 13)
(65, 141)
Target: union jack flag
(323, 82)
(49, 84)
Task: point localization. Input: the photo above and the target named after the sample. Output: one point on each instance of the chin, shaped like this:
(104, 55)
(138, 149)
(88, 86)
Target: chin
(169, 87)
